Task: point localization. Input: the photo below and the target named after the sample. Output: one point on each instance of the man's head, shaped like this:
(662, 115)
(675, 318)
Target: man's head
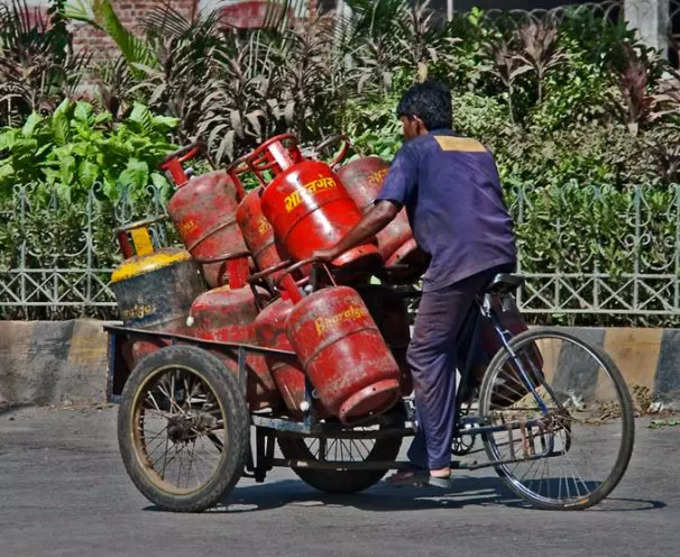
(424, 107)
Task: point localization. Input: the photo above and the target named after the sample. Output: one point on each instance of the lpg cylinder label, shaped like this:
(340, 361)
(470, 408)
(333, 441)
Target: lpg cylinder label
(294, 199)
(139, 311)
(187, 226)
(352, 313)
(378, 176)
(263, 226)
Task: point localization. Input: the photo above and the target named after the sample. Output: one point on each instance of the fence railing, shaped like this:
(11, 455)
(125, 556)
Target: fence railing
(57, 255)
(584, 251)
(599, 250)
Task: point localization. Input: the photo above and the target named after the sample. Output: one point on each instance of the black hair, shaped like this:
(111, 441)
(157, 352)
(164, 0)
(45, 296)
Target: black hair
(430, 101)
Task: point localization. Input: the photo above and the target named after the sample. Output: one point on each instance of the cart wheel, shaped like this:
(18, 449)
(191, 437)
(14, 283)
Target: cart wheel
(342, 450)
(183, 429)
(572, 452)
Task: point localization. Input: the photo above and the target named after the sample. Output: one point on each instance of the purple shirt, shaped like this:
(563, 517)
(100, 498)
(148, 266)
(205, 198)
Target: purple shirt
(452, 193)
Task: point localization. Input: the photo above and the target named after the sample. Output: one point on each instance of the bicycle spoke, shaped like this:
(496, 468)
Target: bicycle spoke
(582, 454)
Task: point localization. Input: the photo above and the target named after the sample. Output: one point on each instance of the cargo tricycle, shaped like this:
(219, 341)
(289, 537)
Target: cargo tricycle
(242, 343)
(185, 427)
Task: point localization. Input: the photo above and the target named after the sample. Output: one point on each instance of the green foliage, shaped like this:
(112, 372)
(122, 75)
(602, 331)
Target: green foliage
(577, 113)
(37, 66)
(76, 147)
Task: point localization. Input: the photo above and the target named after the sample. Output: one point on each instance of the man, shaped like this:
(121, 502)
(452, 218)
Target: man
(452, 193)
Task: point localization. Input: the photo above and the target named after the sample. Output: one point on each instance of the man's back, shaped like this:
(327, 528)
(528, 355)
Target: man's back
(452, 193)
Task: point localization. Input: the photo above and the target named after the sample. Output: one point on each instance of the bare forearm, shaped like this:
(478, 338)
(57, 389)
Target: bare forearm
(370, 224)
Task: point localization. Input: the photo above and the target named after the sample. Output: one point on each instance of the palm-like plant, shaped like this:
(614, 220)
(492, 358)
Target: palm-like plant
(36, 68)
(101, 14)
(386, 35)
(115, 84)
(635, 103)
(238, 96)
(183, 49)
(506, 65)
(539, 50)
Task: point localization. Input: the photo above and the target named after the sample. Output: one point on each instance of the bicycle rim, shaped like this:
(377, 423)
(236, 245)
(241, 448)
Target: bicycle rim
(572, 452)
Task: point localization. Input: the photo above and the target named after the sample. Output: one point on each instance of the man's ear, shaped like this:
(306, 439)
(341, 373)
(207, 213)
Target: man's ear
(420, 125)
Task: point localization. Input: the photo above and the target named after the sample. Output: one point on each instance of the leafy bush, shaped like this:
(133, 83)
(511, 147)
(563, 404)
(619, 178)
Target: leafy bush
(76, 148)
(569, 102)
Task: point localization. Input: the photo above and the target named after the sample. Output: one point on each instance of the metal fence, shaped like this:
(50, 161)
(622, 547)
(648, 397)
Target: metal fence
(57, 254)
(584, 251)
(599, 251)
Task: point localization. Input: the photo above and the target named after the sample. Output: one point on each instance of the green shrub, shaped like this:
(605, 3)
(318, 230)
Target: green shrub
(76, 148)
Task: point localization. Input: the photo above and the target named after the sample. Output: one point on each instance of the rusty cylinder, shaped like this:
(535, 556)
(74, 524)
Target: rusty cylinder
(343, 353)
(227, 315)
(154, 291)
(363, 179)
(204, 213)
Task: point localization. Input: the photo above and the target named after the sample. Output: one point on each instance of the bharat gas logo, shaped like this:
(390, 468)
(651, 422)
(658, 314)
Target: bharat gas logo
(378, 176)
(294, 199)
(352, 313)
(263, 226)
(187, 226)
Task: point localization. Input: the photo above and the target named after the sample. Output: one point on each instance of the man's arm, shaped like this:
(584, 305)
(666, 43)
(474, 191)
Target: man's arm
(377, 218)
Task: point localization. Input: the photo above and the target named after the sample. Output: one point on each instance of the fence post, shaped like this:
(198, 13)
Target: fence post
(651, 19)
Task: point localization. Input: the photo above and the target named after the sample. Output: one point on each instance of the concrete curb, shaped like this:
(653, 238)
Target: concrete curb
(52, 362)
(56, 362)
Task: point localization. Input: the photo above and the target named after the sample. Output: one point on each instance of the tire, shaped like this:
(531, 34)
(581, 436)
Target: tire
(574, 382)
(195, 403)
(339, 481)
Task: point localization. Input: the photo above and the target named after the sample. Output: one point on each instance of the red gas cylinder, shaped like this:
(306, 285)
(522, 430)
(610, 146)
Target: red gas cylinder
(363, 179)
(227, 315)
(289, 377)
(307, 204)
(204, 212)
(257, 231)
(343, 353)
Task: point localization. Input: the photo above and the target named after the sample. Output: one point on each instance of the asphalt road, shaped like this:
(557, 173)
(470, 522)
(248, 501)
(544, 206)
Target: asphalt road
(63, 491)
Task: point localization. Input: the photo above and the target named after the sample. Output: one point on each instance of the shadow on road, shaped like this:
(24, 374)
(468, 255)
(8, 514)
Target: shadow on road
(384, 498)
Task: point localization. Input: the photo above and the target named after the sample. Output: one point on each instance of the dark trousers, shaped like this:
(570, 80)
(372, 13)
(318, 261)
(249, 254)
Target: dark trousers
(432, 357)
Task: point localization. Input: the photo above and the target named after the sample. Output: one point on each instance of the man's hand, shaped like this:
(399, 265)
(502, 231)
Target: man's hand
(380, 215)
(326, 255)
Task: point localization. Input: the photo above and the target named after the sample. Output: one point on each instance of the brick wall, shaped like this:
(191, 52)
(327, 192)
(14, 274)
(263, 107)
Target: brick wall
(130, 13)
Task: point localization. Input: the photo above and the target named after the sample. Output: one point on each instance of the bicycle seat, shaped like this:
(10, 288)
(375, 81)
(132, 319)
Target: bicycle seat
(504, 283)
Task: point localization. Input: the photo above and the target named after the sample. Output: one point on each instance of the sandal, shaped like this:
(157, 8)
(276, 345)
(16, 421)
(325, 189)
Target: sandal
(416, 477)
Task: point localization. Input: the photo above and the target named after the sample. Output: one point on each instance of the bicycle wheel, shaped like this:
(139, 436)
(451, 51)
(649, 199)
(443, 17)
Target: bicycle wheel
(340, 451)
(183, 429)
(569, 446)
